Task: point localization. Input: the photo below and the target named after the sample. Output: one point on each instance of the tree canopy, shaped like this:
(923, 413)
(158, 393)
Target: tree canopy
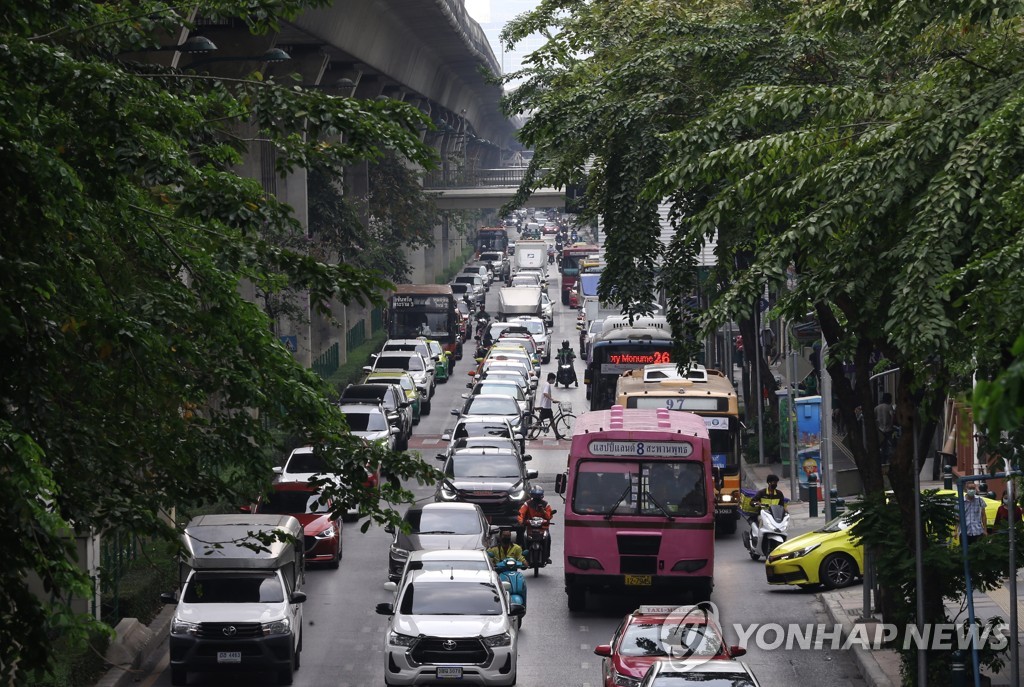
(136, 379)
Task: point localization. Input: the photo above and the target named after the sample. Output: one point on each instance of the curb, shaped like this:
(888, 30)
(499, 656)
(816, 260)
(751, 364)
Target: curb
(870, 670)
(124, 675)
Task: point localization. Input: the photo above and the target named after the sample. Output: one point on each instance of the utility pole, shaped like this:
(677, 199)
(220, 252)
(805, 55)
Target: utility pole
(825, 448)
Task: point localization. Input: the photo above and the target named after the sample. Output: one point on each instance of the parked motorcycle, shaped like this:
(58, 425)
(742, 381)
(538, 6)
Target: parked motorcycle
(766, 531)
(536, 531)
(509, 571)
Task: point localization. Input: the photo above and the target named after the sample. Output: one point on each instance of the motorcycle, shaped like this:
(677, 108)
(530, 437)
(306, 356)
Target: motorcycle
(509, 572)
(536, 528)
(481, 327)
(766, 531)
(566, 373)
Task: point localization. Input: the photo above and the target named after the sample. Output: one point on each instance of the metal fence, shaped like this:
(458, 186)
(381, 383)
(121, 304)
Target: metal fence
(355, 336)
(328, 362)
(376, 320)
(505, 177)
(118, 550)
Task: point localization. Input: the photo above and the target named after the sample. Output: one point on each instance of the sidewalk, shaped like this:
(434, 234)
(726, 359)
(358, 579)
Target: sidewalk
(845, 607)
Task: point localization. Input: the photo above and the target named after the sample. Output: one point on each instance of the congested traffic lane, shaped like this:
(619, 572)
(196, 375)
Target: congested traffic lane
(343, 638)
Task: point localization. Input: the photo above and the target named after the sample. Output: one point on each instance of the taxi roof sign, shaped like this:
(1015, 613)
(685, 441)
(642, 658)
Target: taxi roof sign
(659, 610)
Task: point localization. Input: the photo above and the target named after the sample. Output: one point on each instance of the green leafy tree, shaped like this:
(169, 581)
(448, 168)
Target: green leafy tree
(135, 378)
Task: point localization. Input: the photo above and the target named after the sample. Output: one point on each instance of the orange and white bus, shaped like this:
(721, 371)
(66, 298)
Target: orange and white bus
(639, 505)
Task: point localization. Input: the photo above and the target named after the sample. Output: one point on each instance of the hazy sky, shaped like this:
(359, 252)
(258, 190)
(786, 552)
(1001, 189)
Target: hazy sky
(492, 15)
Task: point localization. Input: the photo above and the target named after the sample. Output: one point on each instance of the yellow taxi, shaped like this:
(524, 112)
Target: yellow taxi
(829, 556)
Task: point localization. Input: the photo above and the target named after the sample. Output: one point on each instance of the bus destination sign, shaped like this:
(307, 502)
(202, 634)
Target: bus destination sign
(653, 449)
(402, 302)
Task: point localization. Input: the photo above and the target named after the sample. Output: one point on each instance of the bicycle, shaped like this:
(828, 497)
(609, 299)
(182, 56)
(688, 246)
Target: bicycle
(562, 423)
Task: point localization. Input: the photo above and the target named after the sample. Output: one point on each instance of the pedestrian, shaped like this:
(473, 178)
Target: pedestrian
(739, 350)
(1003, 514)
(885, 420)
(974, 514)
(768, 343)
(546, 399)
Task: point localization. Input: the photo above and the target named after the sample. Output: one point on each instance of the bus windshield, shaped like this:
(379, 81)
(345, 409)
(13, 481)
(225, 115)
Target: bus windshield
(410, 324)
(635, 487)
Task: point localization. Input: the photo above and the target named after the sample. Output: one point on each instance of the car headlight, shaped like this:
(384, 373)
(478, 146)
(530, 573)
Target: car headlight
(799, 553)
(399, 552)
(447, 493)
(183, 627)
(278, 627)
(726, 498)
(327, 534)
(625, 680)
(398, 639)
(504, 639)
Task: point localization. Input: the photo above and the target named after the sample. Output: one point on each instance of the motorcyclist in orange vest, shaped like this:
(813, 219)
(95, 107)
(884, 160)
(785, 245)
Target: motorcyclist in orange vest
(537, 507)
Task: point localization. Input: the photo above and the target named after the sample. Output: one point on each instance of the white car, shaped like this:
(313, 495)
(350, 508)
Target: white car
(451, 625)
(303, 464)
(547, 309)
(370, 422)
(539, 332)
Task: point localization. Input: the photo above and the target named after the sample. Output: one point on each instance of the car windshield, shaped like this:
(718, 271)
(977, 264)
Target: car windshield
(366, 422)
(843, 522)
(502, 388)
(481, 429)
(420, 348)
(405, 382)
(467, 466)
(450, 598)
(513, 377)
(656, 639)
(306, 461)
(487, 405)
(399, 362)
(443, 521)
(467, 279)
(233, 588)
(534, 327)
(291, 502)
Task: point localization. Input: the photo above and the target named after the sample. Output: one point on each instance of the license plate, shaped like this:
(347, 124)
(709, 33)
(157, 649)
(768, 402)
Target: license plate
(229, 657)
(449, 672)
(638, 580)
(724, 512)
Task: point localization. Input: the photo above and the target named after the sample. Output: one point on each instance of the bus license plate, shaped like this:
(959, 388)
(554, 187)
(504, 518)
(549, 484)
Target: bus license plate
(638, 580)
(449, 672)
(229, 657)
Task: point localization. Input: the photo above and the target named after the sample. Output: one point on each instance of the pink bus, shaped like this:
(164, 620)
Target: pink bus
(640, 513)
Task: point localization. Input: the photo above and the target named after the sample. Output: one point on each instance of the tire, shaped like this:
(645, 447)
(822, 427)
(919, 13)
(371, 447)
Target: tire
(577, 599)
(179, 676)
(754, 556)
(837, 570)
(533, 426)
(564, 425)
(297, 662)
(771, 545)
(425, 408)
(546, 359)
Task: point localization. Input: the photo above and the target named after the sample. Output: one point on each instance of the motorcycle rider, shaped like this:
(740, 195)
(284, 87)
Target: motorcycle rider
(537, 507)
(566, 356)
(551, 255)
(506, 548)
(482, 319)
(771, 495)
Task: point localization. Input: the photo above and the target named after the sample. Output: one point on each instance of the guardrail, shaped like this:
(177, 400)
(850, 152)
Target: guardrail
(506, 177)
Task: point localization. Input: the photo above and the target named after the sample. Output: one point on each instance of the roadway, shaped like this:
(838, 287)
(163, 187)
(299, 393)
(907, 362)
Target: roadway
(343, 637)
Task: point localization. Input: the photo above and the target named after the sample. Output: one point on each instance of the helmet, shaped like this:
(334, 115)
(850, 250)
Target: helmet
(565, 343)
(536, 494)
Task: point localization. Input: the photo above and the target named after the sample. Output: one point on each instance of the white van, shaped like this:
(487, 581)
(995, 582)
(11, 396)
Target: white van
(240, 607)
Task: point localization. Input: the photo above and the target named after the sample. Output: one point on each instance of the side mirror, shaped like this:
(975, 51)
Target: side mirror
(518, 436)
(466, 395)
(385, 609)
(367, 368)
(517, 610)
(736, 651)
(440, 456)
(297, 597)
(390, 529)
(446, 436)
(527, 457)
(554, 510)
(494, 529)
(507, 586)
(245, 509)
(603, 650)
(390, 586)
(470, 385)
(395, 430)
(532, 474)
(168, 598)
(456, 412)
(278, 469)
(560, 480)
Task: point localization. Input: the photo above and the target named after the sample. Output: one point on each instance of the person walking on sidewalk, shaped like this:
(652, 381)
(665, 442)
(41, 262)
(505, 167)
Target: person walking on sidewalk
(974, 514)
(885, 419)
(1003, 514)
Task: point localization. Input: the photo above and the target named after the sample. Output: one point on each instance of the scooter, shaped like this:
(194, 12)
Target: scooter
(536, 528)
(766, 532)
(509, 572)
(566, 373)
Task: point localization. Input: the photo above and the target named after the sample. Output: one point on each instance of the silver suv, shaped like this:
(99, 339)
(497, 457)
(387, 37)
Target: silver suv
(451, 625)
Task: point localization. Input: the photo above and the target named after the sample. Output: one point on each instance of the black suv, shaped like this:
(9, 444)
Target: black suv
(496, 479)
(396, 406)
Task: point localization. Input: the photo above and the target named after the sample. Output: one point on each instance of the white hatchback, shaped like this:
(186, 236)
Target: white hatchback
(451, 625)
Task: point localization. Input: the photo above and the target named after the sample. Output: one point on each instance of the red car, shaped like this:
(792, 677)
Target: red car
(653, 633)
(321, 531)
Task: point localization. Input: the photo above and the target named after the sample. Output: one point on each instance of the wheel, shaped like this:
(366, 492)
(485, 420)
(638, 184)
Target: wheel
(564, 425)
(577, 599)
(837, 570)
(754, 556)
(771, 545)
(179, 676)
(546, 359)
(297, 662)
(536, 571)
(425, 408)
(533, 426)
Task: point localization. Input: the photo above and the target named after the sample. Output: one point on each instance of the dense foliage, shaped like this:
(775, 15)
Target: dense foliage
(135, 377)
(861, 159)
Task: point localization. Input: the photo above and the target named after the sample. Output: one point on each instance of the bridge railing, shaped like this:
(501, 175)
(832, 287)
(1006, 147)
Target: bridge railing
(505, 177)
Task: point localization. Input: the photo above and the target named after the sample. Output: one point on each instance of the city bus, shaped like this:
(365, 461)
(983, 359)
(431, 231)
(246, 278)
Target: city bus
(491, 239)
(620, 347)
(707, 393)
(639, 505)
(425, 310)
(570, 267)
